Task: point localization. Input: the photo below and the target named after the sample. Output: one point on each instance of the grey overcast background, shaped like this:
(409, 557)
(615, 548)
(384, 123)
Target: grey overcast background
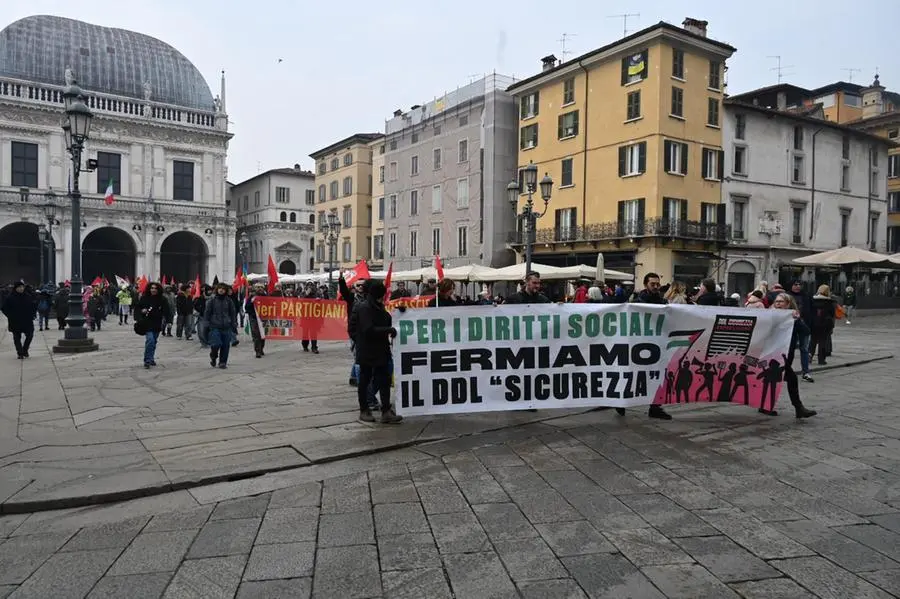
(347, 65)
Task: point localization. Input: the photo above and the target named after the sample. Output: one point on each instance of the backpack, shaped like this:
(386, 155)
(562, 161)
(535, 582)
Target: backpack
(43, 305)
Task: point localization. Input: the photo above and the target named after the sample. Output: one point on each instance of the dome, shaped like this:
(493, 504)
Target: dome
(105, 60)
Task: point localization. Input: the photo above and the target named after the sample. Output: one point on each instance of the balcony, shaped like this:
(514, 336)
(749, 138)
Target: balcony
(123, 205)
(652, 227)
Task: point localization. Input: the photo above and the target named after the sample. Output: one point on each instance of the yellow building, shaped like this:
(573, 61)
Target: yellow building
(631, 135)
(344, 187)
(377, 252)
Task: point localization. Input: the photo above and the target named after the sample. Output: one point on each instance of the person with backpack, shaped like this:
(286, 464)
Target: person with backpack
(43, 310)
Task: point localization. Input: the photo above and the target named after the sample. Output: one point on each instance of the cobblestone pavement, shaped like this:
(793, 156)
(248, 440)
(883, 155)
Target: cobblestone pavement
(719, 503)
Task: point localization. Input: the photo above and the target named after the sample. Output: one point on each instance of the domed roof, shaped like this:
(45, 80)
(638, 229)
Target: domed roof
(104, 59)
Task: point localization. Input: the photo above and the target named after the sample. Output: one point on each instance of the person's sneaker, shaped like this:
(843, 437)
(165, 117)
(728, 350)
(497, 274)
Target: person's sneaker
(223, 366)
(848, 322)
(620, 411)
(768, 412)
(306, 349)
(353, 382)
(805, 413)
(390, 417)
(366, 416)
(315, 350)
(147, 365)
(212, 362)
(656, 411)
(808, 378)
(152, 362)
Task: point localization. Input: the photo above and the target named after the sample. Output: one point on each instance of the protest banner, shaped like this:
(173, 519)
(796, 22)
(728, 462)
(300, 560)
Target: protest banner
(483, 359)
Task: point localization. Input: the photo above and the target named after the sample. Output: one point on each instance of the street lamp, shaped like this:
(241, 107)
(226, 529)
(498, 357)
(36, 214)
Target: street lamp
(331, 229)
(50, 214)
(529, 215)
(76, 128)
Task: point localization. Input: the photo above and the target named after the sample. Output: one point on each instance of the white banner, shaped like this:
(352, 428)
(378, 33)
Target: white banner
(484, 358)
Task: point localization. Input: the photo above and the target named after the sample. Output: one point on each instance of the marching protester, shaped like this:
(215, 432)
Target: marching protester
(170, 299)
(677, 293)
(43, 309)
(259, 344)
(755, 299)
(849, 304)
(152, 312)
(200, 309)
(221, 318)
(351, 297)
(19, 309)
(822, 308)
(444, 297)
(708, 295)
(61, 305)
(804, 305)
(184, 311)
(784, 301)
(96, 307)
(310, 334)
(373, 334)
(401, 291)
(650, 294)
(531, 291)
(124, 297)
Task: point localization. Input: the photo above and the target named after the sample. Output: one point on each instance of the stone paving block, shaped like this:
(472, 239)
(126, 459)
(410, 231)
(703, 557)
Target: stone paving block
(479, 576)
(337, 498)
(67, 575)
(690, 496)
(291, 588)
(647, 547)
(774, 588)
(529, 559)
(347, 573)
(351, 528)
(876, 537)
(441, 498)
(393, 491)
(546, 506)
(284, 560)
(830, 543)
(245, 507)
(389, 472)
(827, 580)
(306, 495)
(482, 491)
(687, 581)
(408, 552)
(888, 521)
(466, 467)
(20, 556)
(611, 478)
(458, 533)
(134, 586)
(570, 482)
(289, 525)
(153, 552)
(727, 560)
(220, 538)
(667, 516)
(399, 518)
(209, 578)
(519, 480)
(604, 511)
(427, 583)
(610, 577)
(9, 524)
(497, 456)
(503, 521)
(190, 519)
(760, 539)
(429, 471)
(6, 590)
(564, 588)
(574, 538)
(115, 535)
(889, 580)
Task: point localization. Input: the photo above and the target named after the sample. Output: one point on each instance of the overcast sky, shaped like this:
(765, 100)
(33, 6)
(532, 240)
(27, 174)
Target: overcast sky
(347, 65)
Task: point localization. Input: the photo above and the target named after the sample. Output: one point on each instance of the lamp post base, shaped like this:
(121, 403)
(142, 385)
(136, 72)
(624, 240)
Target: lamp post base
(76, 341)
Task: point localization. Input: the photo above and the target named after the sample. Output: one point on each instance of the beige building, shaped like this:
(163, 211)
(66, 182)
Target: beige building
(377, 253)
(344, 184)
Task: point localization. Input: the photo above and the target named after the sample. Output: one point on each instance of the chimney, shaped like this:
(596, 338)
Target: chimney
(296, 167)
(548, 62)
(414, 106)
(781, 101)
(873, 99)
(695, 26)
(398, 112)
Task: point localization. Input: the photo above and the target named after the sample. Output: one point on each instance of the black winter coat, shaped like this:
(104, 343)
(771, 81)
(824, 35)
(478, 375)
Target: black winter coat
(373, 333)
(154, 309)
(183, 305)
(823, 314)
(708, 299)
(220, 313)
(20, 310)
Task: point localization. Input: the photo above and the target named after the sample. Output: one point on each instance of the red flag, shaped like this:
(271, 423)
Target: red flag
(197, 287)
(164, 280)
(273, 275)
(387, 282)
(238, 279)
(360, 271)
(439, 268)
(97, 281)
(142, 284)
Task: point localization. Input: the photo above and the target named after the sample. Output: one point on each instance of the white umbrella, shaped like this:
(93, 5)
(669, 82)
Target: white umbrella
(841, 256)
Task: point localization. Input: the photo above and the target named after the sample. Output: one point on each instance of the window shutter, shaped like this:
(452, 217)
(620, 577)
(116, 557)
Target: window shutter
(622, 156)
(667, 151)
(667, 213)
(703, 208)
(573, 221)
(620, 217)
(721, 164)
(683, 205)
(642, 157)
(704, 163)
(624, 70)
(641, 215)
(684, 159)
(720, 214)
(559, 127)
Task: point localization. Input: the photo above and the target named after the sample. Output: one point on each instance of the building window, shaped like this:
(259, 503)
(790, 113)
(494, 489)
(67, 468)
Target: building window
(322, 168)
(894, 201)
(413, 165)
(798, 172)
(845, 228)
(333, 190)
(246, 203)
(346, 251)
(109, 171)
(321, 219)
(569, 91)
(381, 208)
(568, 125)
(893, 133)
(436, 202)
(436, 241)
(797, 223)
(740, 126)
(845, 147)
(845, 177)
(677, 63)
(677, 102)
(566, 224)
(414, 138)
(393, 172)
(348, 217)
(712, 112)
(462, 193)
(378, 247)
(873, 232)
(464, 120)
(529, 137)
(322, 192)
(676, 157)
(437, 158)
(633, 106)
(874, 156)
(715, 74)
(310, 197)
(633, 159)
(798, 137)
(739, 218)
(381, 174)
(256, 199)
(631, 217)
(739, 164)
(462, 241)
(320, 253)
(528, 105)
(875, 181)
(713, 164)
(348, 185)
(635, 68)
(894, 166)
(282, 195)
(283, 217)
(437, 130)
(393, 145)
(674, 212)
(709, 213)
(392, 245)
(335, 164)
(392, 205)
(463, 151)
(567, 178)
(183, 181)
(348, 159)
(24, 164)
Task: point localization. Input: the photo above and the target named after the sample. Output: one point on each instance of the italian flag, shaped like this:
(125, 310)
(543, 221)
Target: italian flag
(110, 198)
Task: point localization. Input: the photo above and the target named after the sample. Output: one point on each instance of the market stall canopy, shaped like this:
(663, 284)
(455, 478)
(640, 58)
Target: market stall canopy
(842, 256)
(516, 272)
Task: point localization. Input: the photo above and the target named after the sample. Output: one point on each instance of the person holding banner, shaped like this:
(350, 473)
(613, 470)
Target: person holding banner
(259, 344)
(531, 291)
(444, 297)
(374, 331)
(650, 294)
(351, 297)
(785, 301)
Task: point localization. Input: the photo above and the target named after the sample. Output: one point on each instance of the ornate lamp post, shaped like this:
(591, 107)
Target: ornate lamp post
(331, 229)
(76, 128)
(42, 236)
(50, 214)
(529, 215)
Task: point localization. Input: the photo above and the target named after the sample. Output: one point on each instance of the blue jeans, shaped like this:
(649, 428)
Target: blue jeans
(219, 344)
(203, 331)
(803, 346)
(150, 346)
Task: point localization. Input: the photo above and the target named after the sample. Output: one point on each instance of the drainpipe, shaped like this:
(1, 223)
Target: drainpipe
(869, 205)
(812, 191)
(587, 78)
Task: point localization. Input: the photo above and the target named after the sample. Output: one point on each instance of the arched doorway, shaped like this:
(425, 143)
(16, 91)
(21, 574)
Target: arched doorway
(741, 278)
(107, 252)
(20, 253)
(183, 255)
(287, 267)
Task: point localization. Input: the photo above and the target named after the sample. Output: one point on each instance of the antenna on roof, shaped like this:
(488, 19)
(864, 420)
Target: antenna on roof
(850, 72)
(779, 68)
(563, 41)
(625, 18)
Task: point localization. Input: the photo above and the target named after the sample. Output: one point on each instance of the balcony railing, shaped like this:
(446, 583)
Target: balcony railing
(629, 229)
(39, 199)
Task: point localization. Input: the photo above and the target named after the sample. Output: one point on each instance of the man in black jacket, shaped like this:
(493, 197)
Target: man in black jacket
(19, 308)
(650, 294)
(221, 318)
(531, 291)
(184, 308)
(352, 297)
